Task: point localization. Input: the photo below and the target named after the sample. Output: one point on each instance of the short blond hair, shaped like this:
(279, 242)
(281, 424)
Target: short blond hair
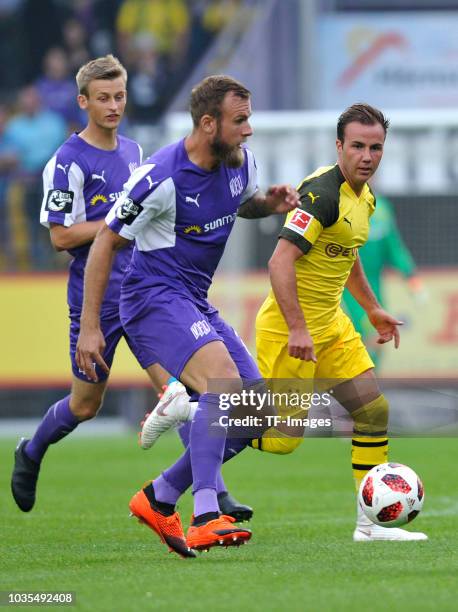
(105, 68)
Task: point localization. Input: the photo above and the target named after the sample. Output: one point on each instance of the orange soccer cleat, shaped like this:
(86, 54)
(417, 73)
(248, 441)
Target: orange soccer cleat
(168, 528)
(218, 532)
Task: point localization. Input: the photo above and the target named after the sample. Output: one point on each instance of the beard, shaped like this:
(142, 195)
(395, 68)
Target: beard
(232, 157)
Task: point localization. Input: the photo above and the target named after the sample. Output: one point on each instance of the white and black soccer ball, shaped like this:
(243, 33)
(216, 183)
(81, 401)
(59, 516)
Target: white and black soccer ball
(391, 494)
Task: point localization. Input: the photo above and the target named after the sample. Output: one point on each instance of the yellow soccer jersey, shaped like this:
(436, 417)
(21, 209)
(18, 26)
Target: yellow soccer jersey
(329, 227)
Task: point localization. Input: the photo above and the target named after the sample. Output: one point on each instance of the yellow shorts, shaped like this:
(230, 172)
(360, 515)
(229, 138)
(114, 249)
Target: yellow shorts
(341, 355)
(340, 352)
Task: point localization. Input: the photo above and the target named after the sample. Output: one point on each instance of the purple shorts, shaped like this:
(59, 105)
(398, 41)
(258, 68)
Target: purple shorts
(112, 331)
(168, 328)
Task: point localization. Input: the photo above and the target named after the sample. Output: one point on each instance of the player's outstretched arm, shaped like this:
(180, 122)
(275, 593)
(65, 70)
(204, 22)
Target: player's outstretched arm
(382, 321)
(64, 238)
(278, 200)
(91, 342)
(284, 284)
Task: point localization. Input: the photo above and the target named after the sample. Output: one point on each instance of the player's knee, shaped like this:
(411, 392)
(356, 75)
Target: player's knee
(229, 370)
(372, 418)
(225, 378)
(86, 409)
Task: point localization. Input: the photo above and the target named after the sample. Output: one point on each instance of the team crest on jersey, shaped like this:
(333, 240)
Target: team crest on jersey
(128, 211)
(236, 185)
(59, 200)
(300, 221)
(200, 329)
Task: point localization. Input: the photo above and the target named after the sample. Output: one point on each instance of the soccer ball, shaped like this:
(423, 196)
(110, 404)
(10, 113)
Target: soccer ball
(391, 494)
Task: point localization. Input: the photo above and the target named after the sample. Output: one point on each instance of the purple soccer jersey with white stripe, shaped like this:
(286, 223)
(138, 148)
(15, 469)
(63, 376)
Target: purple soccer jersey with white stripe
(180, 216)
(81, 183)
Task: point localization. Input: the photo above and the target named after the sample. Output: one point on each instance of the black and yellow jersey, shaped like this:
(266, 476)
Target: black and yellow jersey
(330, 225)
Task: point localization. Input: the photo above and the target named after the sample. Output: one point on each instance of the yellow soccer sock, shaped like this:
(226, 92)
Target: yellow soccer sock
(366, 453)
(370, 441)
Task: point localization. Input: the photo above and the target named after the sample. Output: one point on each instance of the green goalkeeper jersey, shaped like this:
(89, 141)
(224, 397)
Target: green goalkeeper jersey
(384, 249)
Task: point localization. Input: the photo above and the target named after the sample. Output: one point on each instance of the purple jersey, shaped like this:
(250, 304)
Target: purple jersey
(81, 183)
(180, 216)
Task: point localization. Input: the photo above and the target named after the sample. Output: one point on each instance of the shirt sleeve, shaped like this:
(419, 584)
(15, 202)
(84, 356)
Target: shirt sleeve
(147, 195)
(304, 224)
(63, 192)
(252, 183)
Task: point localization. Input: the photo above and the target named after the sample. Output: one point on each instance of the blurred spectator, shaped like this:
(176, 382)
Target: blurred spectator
(11, 44)
(208, 18)
(42, 29)
(8, 161)
(8, 7)
(201, 36)
(218, 13)
(57, 90)
(98, 21)
(84, 12)
(75, 44)
(34, 134)
(148, 83)
(167, 22)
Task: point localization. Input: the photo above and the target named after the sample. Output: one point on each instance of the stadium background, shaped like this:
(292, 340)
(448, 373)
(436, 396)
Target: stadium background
(304, 60)
(400, 56)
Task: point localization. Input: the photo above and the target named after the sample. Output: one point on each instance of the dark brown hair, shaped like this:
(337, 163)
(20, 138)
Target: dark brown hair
(208, 95)
(105, 68)
(362, 113)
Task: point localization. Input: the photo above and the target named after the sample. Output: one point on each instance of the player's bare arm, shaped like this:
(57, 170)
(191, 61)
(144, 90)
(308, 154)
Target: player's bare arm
(382, 321)
(91, 342)
(284, 284)
(359, 287)
(278, 200)
(64, 238)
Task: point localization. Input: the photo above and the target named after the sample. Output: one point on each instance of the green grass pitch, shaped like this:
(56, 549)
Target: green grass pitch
(301, 557)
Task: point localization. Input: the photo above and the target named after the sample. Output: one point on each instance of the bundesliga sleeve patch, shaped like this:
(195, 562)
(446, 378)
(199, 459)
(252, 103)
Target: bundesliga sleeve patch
(128, 211)
(59, 200)
(299, 222)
